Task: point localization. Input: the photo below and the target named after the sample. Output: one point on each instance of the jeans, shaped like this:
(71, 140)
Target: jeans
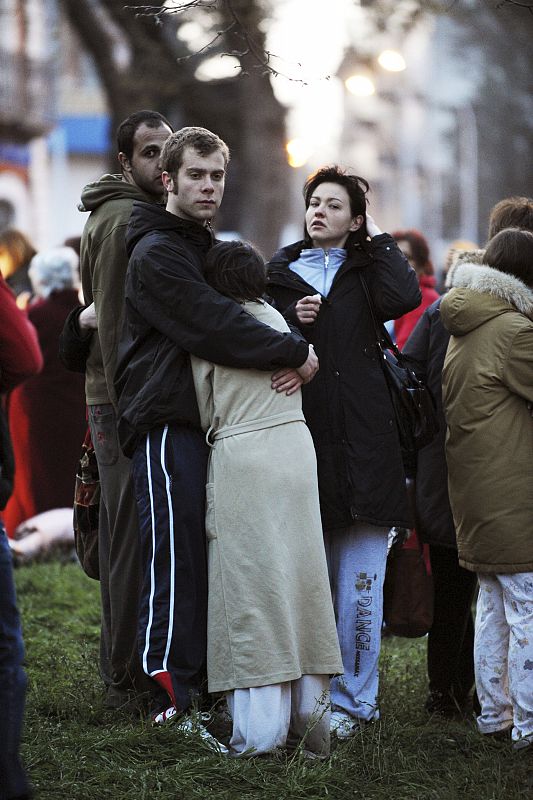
(13, 781)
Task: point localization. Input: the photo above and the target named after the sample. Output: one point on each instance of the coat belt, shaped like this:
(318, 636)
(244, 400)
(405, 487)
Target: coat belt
(259, 424)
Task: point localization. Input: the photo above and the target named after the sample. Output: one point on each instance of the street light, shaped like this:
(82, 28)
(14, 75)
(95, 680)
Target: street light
(298, 152)
(360, 85)
(392, 61)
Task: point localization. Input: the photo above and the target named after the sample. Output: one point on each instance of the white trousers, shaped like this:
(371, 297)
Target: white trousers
(503, 653)
(264, 716)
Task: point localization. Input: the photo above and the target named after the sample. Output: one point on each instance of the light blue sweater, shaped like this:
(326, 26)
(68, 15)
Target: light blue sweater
(318, 267)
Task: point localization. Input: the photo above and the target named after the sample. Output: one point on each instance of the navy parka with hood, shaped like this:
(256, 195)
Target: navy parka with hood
(171, 311)
(347, 405)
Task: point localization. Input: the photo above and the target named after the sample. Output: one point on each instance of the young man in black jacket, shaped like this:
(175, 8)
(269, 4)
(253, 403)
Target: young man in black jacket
(171, 312)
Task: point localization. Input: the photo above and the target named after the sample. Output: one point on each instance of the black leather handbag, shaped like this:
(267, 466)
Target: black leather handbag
(86, 509)
(413, 404)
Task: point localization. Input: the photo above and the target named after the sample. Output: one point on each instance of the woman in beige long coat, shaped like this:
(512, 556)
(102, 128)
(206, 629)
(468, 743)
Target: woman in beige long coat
(487, 385)
(272, 641)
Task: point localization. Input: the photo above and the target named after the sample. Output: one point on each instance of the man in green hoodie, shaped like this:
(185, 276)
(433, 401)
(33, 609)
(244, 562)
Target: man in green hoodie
(103, 264)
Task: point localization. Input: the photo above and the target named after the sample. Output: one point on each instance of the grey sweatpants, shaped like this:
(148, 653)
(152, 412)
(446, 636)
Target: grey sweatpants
(357, 558)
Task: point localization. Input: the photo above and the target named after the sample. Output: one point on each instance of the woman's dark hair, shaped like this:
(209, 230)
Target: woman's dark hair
(419, 249)
(512, 212)
(236, 270)
(511, 251)
(356, 187)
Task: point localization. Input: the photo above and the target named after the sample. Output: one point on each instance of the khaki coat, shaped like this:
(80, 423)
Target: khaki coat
(270, 614)
(487, 384)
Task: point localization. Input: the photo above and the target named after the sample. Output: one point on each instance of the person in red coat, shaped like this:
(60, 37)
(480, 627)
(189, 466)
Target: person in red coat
(47, 412)
(20, 357)
(416, 250)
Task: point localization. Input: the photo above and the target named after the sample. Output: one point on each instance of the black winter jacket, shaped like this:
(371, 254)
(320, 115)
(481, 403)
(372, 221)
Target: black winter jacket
(171, 312)
(347, 405)
(426, 350)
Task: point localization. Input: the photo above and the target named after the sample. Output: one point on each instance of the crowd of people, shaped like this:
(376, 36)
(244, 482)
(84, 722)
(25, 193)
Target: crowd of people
(249, 463)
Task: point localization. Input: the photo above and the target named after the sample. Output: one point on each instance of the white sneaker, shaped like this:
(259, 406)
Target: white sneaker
(192, 726)
(343, 726)
(164, 716)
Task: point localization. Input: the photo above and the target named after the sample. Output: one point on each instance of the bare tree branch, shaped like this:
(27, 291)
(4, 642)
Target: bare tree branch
(185, 5)
(528, 6)
(261, 59)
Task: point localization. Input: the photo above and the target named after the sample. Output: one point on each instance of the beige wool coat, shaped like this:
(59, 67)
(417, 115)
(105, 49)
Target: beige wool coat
(270, 614)
(487, 383)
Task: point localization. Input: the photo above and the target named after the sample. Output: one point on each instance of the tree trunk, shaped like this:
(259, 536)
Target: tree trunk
(243, 111)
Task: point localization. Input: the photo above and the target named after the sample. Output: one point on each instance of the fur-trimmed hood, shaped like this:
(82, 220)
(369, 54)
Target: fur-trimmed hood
(456, 257)
(480, 293)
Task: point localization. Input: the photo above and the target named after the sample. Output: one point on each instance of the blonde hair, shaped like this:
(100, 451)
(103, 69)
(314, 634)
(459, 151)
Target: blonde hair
(17, 247)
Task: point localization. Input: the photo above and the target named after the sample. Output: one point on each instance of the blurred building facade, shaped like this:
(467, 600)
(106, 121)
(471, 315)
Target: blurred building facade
(408, 131)
(27, 105)
(53, 122)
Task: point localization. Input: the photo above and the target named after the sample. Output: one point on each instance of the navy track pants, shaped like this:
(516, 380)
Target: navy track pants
(169, 472)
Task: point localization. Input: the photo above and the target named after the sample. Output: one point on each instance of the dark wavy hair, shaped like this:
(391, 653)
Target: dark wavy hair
(356, 187)
(511, 251)
(236, 270)
(419, 249)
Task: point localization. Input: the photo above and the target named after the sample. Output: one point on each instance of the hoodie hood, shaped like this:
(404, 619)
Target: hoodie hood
(148, 218)
(478, 294)
(109, 187)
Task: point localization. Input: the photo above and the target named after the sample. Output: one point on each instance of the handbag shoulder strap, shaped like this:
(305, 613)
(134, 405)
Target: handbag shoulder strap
(383, 337)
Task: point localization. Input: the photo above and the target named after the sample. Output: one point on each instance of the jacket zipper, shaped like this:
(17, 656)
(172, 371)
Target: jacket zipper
(326, 265)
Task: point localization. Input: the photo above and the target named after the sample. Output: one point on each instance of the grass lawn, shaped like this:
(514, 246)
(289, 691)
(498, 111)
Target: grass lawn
(76, 750)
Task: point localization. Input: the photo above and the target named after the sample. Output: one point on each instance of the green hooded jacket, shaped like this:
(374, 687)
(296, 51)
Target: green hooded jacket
(103, 265)
(487, 384)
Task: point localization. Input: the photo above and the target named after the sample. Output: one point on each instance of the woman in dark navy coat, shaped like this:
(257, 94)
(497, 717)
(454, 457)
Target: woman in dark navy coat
(317, 284)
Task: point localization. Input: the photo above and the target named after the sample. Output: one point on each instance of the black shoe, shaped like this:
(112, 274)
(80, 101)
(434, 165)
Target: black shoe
(444, 704)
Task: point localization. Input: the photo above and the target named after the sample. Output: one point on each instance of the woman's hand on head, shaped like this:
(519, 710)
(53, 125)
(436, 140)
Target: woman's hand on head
(307, 309)
(372, 228)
